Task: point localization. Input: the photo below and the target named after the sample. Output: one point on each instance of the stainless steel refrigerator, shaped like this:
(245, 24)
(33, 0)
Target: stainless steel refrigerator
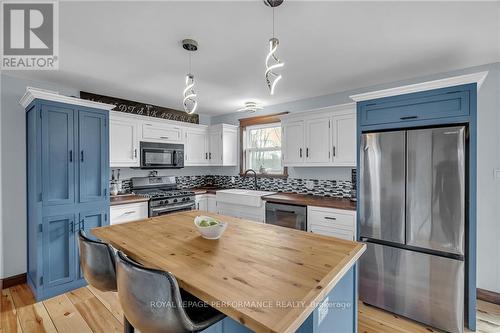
(412, 217)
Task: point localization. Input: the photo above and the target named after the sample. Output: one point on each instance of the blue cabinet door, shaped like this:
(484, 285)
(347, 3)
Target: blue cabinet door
(93, 155)
(58, 250)
(89, 220)
(58, 170)
(437, 104)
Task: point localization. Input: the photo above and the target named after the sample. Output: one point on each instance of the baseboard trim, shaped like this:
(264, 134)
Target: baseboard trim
(488, 296)
(12, 281)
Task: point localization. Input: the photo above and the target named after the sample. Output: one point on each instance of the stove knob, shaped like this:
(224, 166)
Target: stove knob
(175, 200)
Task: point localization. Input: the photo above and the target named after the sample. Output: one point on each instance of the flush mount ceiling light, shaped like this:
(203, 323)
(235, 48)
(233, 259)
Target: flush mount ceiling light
(251, 107)
(189, 102)
(272, 61)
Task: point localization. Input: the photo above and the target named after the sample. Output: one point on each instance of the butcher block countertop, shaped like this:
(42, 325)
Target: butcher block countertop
(310, 200)
(126, 199)
(251, 264)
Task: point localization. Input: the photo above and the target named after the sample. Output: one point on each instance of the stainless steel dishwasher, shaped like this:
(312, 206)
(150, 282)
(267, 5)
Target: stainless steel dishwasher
(289, 216)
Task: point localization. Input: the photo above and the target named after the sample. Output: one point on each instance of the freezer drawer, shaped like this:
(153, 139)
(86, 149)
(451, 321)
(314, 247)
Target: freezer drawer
(423, 287)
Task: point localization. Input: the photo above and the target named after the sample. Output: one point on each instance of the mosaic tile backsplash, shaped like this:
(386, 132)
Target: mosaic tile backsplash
(327, 188)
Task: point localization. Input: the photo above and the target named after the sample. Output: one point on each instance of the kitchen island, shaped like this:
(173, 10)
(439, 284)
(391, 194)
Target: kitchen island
(265, 278)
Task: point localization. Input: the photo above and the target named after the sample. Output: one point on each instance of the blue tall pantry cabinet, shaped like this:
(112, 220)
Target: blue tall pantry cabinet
(67, 185)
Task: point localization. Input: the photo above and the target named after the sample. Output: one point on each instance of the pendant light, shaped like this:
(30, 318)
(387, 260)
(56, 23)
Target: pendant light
(189, 102)
(272, 61)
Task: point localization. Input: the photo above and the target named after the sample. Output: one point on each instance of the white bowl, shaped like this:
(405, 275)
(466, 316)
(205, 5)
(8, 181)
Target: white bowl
(210, 232)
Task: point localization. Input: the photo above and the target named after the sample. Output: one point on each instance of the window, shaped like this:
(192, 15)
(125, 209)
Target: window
(260, 146)
(263, 148)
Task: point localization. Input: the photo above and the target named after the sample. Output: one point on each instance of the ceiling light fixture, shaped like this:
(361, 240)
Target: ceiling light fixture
(189, 102)
(272, 60)
(251, 107)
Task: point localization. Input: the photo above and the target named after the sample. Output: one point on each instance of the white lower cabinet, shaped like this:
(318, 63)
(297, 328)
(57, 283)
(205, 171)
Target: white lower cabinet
(211, 203)
(206, 202)
(128, 212)
(333, 222)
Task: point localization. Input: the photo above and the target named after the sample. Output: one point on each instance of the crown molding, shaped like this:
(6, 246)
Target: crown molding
(423, 86)
(48, 95)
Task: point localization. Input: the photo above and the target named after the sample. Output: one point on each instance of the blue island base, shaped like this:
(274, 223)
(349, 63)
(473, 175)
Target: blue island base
(337, 313)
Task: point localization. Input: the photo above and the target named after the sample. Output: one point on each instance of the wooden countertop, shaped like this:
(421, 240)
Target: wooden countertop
(126, 199)
(311, 200)
(253, 264)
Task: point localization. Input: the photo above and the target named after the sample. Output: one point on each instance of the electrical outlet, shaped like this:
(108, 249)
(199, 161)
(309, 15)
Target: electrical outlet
(323, 310)
(233, 180)
(310, 185)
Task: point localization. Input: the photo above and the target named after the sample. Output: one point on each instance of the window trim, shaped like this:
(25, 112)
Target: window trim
(252, 122)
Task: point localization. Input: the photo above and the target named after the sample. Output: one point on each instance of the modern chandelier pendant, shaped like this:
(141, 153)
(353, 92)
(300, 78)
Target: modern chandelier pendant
(272, 61)
(189, 102)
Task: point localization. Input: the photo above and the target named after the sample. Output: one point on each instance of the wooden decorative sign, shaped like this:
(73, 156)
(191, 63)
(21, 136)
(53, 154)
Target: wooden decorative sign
(142, 109)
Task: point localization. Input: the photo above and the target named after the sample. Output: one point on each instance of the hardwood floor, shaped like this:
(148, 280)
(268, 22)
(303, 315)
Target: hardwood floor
(87, 310)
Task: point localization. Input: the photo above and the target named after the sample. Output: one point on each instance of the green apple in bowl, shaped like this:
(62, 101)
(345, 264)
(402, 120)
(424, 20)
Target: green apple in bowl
(209, 227)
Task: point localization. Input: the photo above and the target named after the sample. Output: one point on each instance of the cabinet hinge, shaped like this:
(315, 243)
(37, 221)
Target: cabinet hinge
(40, 227)
(41, 280)
(40, 197)
(105, 191)
(328, 123)
(105, 217)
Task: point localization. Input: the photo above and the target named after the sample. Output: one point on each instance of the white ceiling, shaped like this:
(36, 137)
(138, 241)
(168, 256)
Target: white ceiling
(132, 49)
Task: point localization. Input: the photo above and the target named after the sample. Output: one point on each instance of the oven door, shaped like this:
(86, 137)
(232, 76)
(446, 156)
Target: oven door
(164, 210)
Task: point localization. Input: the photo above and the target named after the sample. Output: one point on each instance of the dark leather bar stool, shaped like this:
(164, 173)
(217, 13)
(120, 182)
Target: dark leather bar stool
(97, 260)
(152, 301)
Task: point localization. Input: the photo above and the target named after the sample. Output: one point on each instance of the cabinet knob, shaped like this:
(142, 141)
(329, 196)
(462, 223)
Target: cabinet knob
(135, 152)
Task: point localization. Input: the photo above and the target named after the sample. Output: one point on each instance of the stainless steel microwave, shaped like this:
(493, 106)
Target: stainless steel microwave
(156, 155)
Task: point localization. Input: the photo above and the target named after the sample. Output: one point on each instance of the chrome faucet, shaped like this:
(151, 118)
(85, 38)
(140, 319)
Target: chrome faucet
(254, 175)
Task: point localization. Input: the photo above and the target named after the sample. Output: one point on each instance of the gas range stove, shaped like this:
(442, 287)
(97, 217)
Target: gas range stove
(164, 197)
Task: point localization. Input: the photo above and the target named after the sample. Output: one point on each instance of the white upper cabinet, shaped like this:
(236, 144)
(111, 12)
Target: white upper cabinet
(223, 145)
(318, 141)
(323, 137)
(160, 132)
(344, 139)
(196, 147)
(293, 144)
(216, 145)
(123, 141)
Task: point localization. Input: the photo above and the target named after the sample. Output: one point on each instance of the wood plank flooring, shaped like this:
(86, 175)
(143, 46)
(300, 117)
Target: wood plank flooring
(87, 310)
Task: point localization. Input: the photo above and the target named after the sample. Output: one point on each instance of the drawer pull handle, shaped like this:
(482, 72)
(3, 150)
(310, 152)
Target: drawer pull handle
(330, 218)
(164, 137)
(408, 117)
(129, 212)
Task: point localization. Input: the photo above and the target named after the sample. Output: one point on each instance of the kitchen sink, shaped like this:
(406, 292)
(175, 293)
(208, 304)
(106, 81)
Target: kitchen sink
(242, 197)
